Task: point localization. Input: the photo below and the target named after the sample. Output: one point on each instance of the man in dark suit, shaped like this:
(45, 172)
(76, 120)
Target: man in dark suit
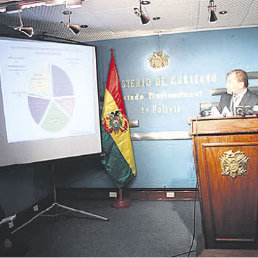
(237, 92)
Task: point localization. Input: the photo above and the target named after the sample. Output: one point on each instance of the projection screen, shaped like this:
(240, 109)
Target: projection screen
(49, 101)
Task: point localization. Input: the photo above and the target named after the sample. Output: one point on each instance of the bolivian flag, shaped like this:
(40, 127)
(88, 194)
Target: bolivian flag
(116, 140)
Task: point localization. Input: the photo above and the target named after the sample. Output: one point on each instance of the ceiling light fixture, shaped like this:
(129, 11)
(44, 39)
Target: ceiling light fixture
(223, 12)
(211, 10)
(73, 3)
(145, 2)
(75, 29)
(26, 30)
(54, 2)
(13, 8)
(139, 12)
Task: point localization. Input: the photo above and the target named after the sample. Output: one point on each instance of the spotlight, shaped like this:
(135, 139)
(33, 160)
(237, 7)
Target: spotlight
(26, 30)
(144, 18)
(211, 10)
(14, 8)
(75, 29)
(213, 17)
(139, 12)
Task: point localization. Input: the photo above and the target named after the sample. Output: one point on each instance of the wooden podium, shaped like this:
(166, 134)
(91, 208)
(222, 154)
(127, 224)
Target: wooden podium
(226, 161)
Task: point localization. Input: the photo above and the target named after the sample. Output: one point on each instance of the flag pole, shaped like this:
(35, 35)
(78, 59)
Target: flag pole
(120, 202)
(119, 162)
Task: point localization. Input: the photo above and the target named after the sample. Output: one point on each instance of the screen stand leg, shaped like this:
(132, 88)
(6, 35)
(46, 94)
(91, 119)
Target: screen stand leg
(57, 205)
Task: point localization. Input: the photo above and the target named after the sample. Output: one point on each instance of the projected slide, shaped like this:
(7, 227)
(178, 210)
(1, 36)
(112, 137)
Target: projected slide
(48, 103)
(48, 91)
(51, 98)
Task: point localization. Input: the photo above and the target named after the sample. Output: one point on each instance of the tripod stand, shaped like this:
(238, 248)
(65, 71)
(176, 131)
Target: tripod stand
(56, 205)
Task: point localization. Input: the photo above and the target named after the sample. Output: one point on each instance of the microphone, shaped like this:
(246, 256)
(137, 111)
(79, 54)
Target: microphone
(205, 113)
(255, 110)
(244, 110)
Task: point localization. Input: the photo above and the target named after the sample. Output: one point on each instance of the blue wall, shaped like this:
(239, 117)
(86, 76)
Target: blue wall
(203, 57)
(198, 62)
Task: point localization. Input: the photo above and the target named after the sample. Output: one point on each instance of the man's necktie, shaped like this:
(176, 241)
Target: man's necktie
(234, 103)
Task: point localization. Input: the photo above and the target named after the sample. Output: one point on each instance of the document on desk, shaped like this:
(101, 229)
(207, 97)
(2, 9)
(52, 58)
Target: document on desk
(215, 112)
(226, 112)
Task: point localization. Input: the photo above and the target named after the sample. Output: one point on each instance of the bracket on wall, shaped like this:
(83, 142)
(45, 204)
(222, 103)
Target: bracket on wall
(134, 123)
(157, 136)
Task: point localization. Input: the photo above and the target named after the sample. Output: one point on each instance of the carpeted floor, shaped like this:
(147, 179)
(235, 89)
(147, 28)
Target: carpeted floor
(146, 229)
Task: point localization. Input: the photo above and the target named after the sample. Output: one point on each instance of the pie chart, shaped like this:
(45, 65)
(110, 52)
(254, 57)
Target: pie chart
(51, 98)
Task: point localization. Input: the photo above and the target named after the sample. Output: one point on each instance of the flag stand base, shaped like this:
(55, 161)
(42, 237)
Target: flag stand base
(121, 203)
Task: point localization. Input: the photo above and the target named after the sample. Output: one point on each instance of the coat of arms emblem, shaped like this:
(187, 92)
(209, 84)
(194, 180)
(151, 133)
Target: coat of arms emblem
(115, 122)
(158, 60)
(233, 164)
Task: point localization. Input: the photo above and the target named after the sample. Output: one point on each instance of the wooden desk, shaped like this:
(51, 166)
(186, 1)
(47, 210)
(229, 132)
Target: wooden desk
(226, 161)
